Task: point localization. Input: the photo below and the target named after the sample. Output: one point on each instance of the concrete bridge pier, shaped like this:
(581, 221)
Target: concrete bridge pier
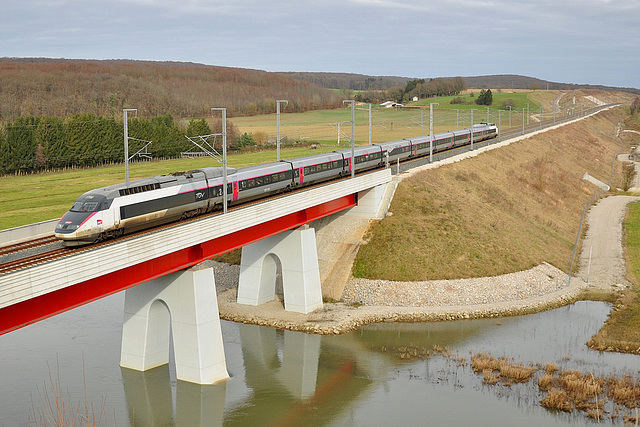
(184, 302)
(298, 256)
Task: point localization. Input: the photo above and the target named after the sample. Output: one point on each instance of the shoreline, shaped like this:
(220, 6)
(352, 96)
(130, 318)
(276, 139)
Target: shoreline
(550, 291)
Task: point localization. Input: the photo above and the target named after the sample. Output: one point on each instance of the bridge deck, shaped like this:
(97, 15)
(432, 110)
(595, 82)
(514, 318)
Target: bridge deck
(37, 292)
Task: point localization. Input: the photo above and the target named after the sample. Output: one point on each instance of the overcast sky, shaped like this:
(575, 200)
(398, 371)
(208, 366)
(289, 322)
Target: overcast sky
(569, 41)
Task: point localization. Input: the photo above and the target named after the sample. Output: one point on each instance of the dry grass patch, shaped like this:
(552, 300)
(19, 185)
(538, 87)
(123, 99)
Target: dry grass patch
(595, 396)
(503, 211)
(558, 400)
(624, 391)
(503, 369)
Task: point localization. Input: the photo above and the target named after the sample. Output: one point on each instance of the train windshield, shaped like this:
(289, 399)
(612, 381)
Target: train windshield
(90, 204)
(85, 207)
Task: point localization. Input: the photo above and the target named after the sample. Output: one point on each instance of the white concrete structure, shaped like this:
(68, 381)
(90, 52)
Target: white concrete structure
(373, 203)
(595, 181)
(187, 302)
(298, 256)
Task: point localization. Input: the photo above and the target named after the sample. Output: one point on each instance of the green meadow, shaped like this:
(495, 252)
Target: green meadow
(331, 126)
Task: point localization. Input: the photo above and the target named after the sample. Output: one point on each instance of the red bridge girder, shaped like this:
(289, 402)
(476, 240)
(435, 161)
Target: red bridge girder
(38, 308)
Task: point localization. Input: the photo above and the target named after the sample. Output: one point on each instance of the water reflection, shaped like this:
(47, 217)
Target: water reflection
(288, 378)
(150, 401)
(292, 365)
(293, 378)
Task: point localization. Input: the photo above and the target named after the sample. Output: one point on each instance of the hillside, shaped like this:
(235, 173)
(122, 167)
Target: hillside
(503, 211)
(59, 88)
(350, 81)
(506, 81)
(512, 81)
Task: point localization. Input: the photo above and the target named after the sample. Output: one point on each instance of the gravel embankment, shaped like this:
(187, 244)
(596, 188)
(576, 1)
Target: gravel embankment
(372, 301)
(540, 280)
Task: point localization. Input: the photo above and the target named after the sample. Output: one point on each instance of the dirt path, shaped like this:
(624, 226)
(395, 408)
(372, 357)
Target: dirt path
(602, 262)
(556, 103)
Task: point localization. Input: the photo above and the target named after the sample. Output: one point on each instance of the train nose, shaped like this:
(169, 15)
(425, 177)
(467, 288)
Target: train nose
(67, 226)
(70, 222)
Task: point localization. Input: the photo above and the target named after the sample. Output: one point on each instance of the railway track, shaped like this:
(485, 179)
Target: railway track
(14, 260)
(32, 259)
(10, 249)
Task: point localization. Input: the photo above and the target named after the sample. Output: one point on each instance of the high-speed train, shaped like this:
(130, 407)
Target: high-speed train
(115, 210)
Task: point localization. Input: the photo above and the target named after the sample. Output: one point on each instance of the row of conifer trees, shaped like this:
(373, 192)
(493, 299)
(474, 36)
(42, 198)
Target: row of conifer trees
(31, 144)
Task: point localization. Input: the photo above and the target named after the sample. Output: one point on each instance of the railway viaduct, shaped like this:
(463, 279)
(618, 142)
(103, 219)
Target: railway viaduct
(165, 287)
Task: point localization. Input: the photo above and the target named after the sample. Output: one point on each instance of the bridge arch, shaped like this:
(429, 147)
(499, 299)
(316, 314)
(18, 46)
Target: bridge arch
(185, 301)
(298, 254)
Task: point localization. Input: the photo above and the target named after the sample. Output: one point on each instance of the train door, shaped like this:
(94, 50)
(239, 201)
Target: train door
(235, 190)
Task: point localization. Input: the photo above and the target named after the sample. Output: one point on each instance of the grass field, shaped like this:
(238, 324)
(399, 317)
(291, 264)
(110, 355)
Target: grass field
(520, 99)
(387, 123)
(329, 126)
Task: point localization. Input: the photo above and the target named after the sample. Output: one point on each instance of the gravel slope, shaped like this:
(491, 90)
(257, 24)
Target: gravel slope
(524, 292)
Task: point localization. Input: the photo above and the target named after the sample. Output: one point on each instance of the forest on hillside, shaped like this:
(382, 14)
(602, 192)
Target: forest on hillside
(501, 81)
(60, 88)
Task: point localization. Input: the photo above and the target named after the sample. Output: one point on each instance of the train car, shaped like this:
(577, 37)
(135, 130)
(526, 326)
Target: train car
(366, 157)
(259, 181)
(461, 137)
(397, 150)
(320, 167)
(484, 131)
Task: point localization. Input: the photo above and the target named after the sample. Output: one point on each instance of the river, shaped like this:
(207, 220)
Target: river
(289, 378)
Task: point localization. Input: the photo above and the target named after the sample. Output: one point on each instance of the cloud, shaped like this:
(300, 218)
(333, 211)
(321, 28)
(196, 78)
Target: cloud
(560, 40)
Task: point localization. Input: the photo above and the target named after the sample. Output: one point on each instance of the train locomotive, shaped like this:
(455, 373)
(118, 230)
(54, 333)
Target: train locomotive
(113, 211)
